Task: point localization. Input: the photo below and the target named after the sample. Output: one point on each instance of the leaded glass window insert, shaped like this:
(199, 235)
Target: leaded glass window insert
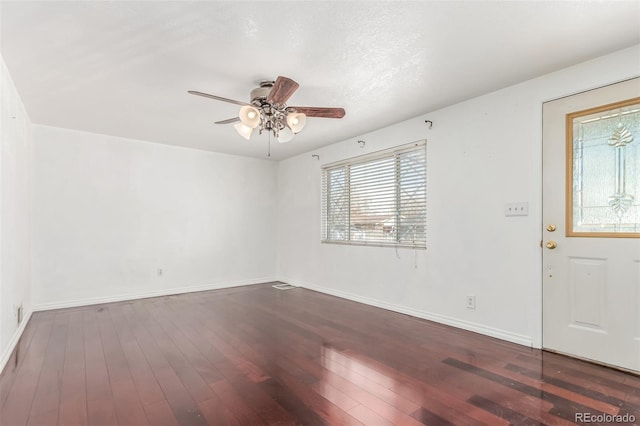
(376, 199)
(603, 173)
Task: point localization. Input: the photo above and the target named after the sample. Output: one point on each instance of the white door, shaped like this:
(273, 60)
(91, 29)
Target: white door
(591, 225)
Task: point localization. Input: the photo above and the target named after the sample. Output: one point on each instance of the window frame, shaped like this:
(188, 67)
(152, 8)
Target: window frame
(394, 153)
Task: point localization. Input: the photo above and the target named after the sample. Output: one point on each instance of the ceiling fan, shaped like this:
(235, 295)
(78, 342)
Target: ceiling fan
(268, 110)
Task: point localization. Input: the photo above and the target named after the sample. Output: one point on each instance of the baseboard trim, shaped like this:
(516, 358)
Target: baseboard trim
(146, 294)
(6, 355)
(442, 319)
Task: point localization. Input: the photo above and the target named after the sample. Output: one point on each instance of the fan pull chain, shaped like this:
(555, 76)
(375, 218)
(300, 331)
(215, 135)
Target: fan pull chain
(269, 146)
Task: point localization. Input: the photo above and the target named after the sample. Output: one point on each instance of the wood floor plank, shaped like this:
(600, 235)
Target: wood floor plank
(116, 362)
(332, 413)
(297, 378)
(623, 389)
(73, 393)
(217, 413)
(100, 405)
(9, 374)
(204, 368)
(607, 395)
(46, 401)
(451, 404)
(126, 400)
(334, 395)
(368, 399)
(254, 355)
(234, 370)
(142, 375)
(17, 404)
(368, 417)
(129, 410)
(160, 413)
(554, 392)
(562, 407)
(232, 353)
(184, 407)
(236, 404)
(184, 370)
(349, 370)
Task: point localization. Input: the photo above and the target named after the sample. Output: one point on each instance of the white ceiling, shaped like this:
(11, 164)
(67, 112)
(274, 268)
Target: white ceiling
(123, 68)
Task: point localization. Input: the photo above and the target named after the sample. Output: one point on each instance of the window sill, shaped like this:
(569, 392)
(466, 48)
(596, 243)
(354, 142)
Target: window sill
(365, 244)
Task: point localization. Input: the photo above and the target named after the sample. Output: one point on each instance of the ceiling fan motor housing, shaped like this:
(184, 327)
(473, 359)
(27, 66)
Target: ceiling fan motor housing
(259, 94)
(272, 116)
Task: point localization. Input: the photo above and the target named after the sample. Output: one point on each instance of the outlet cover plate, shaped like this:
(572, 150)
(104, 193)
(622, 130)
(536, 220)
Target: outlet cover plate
(471, 302)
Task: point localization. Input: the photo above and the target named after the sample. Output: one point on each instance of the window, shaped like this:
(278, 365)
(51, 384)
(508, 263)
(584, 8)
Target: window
(603, 171)
(377, 199)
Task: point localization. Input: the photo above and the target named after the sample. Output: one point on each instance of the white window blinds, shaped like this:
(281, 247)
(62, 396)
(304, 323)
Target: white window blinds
(377, 199)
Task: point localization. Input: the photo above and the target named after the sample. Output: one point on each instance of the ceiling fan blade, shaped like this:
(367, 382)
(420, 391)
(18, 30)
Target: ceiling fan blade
(228, 121)
(217, 98)
(282, 90)
(320, 112)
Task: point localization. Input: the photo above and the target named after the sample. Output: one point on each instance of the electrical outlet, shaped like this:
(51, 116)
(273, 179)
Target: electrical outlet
(18, 312)
(471, 302)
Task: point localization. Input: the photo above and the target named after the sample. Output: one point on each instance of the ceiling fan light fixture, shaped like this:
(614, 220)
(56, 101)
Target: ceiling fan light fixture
(296, 121)
(243, 130)
(268, 111)
(285, 135)
(250, 116)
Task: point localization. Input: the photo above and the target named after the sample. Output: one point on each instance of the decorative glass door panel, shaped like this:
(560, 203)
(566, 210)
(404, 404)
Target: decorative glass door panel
(603, 171)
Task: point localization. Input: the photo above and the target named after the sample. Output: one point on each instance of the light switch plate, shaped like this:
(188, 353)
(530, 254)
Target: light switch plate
(516, 209)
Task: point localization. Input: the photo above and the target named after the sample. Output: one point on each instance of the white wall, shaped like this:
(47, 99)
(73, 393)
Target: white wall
(109, 212)
(15, 129)
(481, 154)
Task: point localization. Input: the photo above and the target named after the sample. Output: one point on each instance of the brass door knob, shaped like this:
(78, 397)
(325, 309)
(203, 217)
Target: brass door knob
(551, 245)
(551, 227)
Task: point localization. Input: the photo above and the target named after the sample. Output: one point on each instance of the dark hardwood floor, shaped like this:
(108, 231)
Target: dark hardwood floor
(256, 355)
